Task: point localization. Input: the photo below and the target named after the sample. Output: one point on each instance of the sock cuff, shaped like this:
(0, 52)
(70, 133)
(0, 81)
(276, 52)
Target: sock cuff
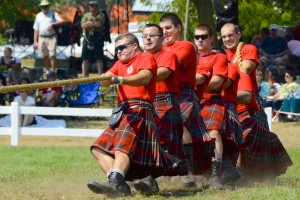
(118, 171)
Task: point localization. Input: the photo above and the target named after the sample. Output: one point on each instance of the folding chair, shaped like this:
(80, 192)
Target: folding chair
(86, 95)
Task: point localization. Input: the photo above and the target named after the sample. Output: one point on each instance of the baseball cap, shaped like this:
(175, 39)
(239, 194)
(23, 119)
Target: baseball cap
(15, 61)
(273, 26)
(51, 74)
(93, 2)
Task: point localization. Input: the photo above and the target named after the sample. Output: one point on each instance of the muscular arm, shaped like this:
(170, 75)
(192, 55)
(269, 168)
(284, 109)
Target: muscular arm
(227, 84)
(200, 78)
(215, 82)
(244, 97)
(248, 66)
(163, 73)
(143, 77)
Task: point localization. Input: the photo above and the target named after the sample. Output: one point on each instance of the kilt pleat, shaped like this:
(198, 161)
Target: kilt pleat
(137, 137)
(168, 120)
(263, 155)
(261, 115)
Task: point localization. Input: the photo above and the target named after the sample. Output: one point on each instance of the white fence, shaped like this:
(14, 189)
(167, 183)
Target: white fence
(15, 131)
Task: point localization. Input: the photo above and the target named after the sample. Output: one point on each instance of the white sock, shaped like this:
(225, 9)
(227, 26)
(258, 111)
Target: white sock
(119, 171)
(109, 172)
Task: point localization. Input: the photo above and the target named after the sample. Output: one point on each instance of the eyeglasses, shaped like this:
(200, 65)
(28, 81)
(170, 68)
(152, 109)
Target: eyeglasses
(150, 35)
(258, 74)
(122, 47)
(287, 76)
(203, 37)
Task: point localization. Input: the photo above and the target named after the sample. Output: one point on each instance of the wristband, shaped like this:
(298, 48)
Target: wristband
(120, 80)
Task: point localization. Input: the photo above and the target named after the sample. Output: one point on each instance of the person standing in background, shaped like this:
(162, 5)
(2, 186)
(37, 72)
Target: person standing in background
(45, 36)
(93, 25)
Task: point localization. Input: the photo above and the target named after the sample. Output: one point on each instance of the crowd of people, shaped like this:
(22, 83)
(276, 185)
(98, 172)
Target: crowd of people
(185, 109)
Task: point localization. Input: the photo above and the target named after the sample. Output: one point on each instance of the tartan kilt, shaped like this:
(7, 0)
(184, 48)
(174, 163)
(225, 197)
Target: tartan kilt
(262, 116)
(136, 136)
(168, 119)
(190, 111)
(203, 145)
(262, 154)
(233, 131)
(213, 113)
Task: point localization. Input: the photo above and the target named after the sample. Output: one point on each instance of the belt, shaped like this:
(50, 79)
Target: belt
(47, 36)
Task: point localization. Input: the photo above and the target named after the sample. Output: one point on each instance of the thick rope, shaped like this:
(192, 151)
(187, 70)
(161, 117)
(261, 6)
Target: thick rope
(239, 54)
(35, 86)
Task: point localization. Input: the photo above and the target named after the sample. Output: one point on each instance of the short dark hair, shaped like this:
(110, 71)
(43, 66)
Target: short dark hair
(205, 27)
(130, 37)
(172, 17)
(160, 30)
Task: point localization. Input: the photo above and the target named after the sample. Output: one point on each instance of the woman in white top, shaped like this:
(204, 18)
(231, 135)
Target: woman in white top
(24, 99)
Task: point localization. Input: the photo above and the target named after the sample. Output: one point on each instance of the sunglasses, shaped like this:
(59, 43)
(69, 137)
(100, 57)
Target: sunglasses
(203, 37)
(258, 74)
(150, 35)
(122, 47)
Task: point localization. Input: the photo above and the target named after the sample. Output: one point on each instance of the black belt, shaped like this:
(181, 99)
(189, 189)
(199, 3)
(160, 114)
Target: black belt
(47, 36)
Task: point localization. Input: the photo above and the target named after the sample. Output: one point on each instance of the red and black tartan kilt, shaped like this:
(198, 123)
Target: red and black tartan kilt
(234, 129)
(261, 115)
(190, 112)
(136, 136)
(168, 119)
(263, 155)
(213, 113)
(203, 145)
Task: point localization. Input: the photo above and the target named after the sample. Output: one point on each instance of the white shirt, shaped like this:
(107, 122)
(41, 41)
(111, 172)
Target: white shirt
(42, 21)
(30, 101)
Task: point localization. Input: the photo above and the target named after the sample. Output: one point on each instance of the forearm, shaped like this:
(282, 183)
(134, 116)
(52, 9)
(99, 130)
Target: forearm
(35, 36)
(244, 97)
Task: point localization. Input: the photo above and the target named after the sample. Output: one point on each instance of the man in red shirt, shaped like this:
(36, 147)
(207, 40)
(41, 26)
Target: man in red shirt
(213, 109)
(194, 129)
(167, 115)
(262, 154)
(130, 149)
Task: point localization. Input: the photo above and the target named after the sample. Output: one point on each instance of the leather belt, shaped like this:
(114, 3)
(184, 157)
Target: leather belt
(47, 36)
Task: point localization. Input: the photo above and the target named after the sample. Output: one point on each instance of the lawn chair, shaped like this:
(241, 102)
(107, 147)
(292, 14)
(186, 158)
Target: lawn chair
(85, 95)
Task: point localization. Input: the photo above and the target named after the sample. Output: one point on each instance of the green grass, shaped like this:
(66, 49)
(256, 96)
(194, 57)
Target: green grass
(62, 173)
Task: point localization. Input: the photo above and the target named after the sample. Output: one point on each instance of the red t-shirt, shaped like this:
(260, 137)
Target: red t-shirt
(143, 61)
(229, 94)
(186, 53)
(218, 63)
(245, 83)
(206, 70)
(47, 90)
(249, 52)
(168, 60)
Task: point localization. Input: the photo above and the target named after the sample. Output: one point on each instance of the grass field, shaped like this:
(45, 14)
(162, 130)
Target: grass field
(60, 167)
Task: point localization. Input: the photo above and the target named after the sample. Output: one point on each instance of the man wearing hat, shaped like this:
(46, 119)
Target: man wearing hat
(93, 26)
(50, 96)
(44, 34)
(16, 73)
(274, 49)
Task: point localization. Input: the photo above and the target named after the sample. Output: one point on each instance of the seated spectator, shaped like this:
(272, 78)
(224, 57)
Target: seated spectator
(24, 99)
(294, 51)
(50, 96)
(292, 104)
(16, 73)
(276, 78)
(264, 87)
(5, 64)
(257, 39)
(290, 87)
(273, 49)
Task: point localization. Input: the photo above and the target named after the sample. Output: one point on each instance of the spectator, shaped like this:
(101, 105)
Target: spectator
(50, 96)
(276, 79)
(257, 39)
(24, 99)
(264, 87)
(4, 66)
(287, 89)
(44, 34)
(294, 51)
(93, 25)
(274, 49)
(16, 73)
(292, 104)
